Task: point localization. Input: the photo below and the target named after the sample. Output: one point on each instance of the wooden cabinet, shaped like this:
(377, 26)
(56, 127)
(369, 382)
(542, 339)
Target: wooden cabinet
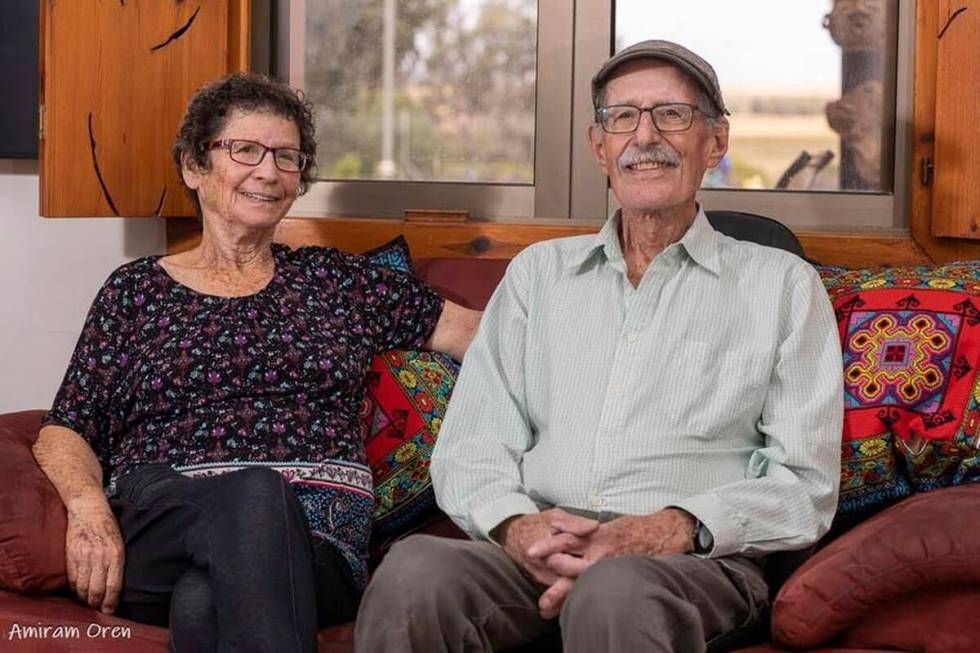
(956, 191)
(945, 180)
(115, 79)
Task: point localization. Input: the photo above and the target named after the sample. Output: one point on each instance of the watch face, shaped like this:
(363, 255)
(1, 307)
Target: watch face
(704, 541)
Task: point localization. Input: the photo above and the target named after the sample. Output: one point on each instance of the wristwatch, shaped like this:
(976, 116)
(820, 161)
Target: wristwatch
(704, 541)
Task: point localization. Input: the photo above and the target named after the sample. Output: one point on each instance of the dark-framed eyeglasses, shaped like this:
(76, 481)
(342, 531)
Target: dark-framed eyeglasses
(251, 153)
(667, 118)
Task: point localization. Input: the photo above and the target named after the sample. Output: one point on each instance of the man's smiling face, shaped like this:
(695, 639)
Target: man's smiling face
(650, 171)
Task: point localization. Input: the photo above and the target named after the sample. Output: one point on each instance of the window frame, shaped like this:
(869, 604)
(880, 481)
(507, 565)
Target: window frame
(546, 196)
(574, 38)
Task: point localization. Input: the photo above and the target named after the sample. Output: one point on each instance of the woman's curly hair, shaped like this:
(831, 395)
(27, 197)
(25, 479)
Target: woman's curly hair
(209, 109)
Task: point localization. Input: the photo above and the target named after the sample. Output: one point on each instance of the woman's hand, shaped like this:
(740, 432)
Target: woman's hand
(95, 554)
(94, 550)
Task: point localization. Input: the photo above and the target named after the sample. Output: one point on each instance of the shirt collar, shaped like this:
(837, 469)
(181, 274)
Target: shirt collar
(700, 242)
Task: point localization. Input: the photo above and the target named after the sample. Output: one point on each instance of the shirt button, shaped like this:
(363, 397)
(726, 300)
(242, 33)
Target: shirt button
(598, 502)
(631, 337)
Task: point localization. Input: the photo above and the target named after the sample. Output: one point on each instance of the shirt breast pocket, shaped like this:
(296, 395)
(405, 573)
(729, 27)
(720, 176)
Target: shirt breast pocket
(717, 392)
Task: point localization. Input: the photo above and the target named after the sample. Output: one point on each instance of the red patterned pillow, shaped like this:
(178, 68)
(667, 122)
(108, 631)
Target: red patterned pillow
(911, 346)
(405, 401)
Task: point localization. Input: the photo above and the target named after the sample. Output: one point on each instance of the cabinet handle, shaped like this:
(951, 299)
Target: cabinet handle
(927, 169)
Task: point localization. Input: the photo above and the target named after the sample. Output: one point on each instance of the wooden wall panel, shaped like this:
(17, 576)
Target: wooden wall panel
(116, 77)
(239, 30)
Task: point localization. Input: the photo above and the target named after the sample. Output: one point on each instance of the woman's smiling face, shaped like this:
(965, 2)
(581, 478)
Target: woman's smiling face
(254, 196)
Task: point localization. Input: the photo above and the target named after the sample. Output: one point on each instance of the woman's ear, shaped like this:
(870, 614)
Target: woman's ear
(190, 171)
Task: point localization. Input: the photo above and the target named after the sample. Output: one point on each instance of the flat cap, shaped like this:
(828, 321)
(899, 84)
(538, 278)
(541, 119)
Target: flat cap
(676, 54)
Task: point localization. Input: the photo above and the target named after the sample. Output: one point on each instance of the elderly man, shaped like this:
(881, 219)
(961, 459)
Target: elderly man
(643, 415)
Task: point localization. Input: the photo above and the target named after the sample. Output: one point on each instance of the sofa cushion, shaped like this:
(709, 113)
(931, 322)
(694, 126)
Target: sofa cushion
(932, 620)
(82, 629)
(32, 516)
(925, 542)
(466, 281)
(911, 346)
(405, 400)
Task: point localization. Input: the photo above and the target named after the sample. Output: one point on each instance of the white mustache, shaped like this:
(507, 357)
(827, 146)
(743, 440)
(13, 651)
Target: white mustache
(660, 153)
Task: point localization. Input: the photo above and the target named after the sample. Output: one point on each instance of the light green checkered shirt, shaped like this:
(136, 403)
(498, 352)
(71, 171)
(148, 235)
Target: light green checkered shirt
(714, 386)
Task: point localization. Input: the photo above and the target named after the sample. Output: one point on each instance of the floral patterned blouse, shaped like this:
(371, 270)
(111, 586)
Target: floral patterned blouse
(211, 384)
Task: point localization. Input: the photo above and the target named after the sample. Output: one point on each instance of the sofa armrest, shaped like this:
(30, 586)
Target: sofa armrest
(32, 516)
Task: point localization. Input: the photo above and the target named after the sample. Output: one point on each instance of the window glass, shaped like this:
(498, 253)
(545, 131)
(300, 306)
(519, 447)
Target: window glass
(806, 82)
(423, 90)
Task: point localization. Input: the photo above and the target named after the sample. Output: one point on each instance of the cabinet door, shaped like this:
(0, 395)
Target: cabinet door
(115, 78)
(956, 196)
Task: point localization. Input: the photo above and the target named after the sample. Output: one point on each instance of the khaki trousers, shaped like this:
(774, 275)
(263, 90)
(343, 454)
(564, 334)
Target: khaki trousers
(434, 595)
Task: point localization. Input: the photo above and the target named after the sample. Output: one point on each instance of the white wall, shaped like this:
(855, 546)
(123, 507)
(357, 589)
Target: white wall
(50, 270)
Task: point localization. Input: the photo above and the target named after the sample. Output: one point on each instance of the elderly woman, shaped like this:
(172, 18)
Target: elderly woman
(216, 394)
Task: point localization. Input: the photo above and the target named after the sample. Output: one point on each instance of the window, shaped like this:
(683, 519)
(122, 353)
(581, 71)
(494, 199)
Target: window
(432, 104)
(482, 105)
(449, 95)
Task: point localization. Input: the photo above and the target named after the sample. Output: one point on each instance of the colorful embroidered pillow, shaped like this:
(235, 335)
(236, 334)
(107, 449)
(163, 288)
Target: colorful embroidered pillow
(911, 346)
(405, 400)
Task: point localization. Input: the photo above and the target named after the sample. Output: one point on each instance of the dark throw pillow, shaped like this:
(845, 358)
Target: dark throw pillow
(394, 254)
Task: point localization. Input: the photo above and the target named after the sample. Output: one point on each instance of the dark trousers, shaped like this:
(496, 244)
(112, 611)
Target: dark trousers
(227, 562)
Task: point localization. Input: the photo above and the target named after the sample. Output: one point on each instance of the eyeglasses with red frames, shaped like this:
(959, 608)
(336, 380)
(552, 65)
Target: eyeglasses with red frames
(251, 153)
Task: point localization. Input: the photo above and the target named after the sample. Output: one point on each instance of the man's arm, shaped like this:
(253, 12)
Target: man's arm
(789, 497)
(476, 462)
(454, 330)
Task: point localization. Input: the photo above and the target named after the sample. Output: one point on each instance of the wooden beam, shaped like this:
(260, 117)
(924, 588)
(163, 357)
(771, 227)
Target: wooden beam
(425, 239)
(504, 240)
(862, 250)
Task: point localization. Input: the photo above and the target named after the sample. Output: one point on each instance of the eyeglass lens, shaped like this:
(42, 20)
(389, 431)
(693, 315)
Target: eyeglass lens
(250, 153)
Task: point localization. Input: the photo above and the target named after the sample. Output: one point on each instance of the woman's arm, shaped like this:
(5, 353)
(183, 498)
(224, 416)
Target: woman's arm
(94, 550)
(454, 330)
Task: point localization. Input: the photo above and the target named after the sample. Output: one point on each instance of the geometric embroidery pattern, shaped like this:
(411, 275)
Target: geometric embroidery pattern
(405, 400)
(897, 358)
(910, 340)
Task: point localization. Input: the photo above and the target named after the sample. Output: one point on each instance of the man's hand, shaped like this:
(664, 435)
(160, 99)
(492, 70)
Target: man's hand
(95, 554)
(563, 531)
(667, 531)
